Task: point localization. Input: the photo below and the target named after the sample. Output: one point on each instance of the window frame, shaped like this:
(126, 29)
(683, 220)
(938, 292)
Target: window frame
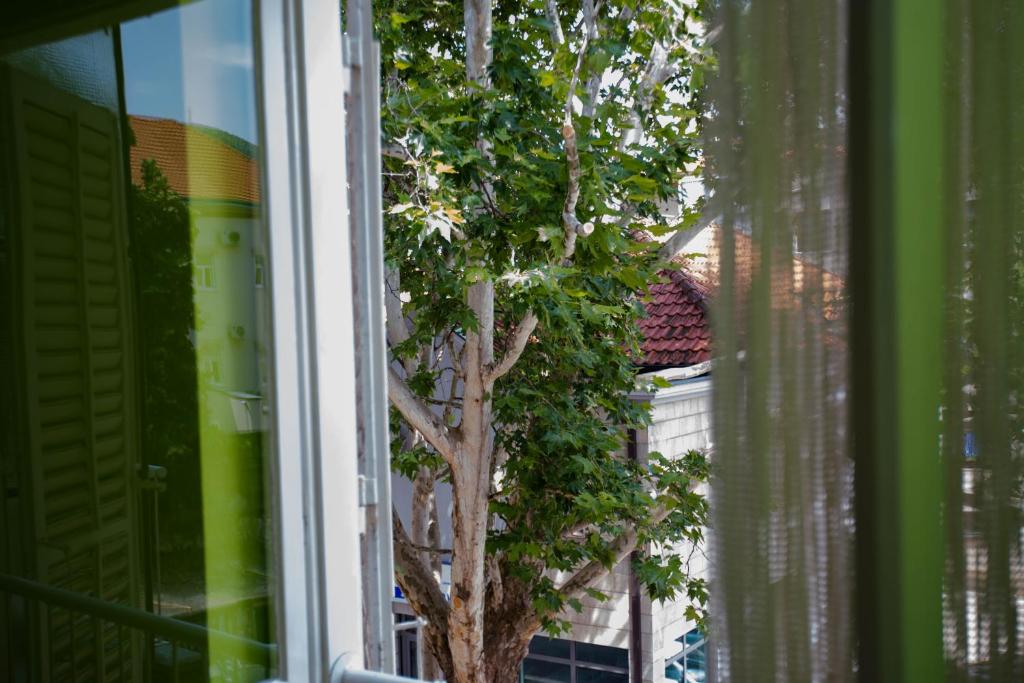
(575, 663)
(313, 482)
(314, 476)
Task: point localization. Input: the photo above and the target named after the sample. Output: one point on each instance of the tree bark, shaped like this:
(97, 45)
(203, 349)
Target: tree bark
(511, 623)
(425, 535)
(470, 484)
(471, 464)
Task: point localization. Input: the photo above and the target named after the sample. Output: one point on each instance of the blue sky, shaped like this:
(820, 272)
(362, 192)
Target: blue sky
(193, 63)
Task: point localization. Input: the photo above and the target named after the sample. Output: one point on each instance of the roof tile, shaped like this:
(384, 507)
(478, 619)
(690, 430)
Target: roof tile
(197, 162)
(676, 329)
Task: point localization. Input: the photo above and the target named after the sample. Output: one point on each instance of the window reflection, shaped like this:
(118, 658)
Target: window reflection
(136, 531)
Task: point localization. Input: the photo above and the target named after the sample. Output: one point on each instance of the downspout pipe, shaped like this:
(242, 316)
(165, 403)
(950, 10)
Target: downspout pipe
(636, 662)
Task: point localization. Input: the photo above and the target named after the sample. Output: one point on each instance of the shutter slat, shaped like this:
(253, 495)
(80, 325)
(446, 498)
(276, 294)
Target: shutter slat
(81, 405)
(54, 412)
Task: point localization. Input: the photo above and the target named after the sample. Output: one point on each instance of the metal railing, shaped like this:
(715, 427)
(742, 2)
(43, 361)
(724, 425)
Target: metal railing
(189, 644)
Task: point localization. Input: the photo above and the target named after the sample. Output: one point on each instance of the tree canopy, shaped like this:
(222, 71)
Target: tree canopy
(530, 150)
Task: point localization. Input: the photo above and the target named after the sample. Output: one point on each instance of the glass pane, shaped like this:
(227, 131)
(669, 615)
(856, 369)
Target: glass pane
(552, 647)
(137, 536)
(537, 671)
(586, 675)
(602, 654)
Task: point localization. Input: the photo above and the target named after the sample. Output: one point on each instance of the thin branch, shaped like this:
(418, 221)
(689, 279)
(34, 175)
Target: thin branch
(455, 357)
(494, 579)
(420, 417)
(431, 549)
(452, 401)
(674, 244)
(443, 402)
(590, 13)
(397, 329)
(520, 336)
(577, 528)
(658, 70)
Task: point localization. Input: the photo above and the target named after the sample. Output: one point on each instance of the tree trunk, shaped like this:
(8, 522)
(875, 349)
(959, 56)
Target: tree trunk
(471, 476)
(425, 535)
(504, 666)
(505, 659)
(466, 618)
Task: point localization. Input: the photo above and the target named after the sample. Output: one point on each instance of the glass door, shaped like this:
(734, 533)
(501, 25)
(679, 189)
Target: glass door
(138, 347)
(168, 483)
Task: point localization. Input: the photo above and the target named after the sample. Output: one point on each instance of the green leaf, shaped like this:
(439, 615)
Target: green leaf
(397, 19)
(660, 382)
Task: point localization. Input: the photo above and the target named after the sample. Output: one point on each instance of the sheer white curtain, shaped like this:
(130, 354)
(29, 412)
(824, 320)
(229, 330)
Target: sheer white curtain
(779, 147)
(782, 493)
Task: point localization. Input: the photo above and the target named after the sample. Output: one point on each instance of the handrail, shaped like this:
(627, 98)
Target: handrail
(135, 618)
(342, 673)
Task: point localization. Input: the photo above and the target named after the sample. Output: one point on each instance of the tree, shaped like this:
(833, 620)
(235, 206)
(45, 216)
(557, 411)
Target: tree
(162, 254)
(528, 148)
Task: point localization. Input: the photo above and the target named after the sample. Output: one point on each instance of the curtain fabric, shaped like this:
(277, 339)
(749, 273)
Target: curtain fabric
(784, 517)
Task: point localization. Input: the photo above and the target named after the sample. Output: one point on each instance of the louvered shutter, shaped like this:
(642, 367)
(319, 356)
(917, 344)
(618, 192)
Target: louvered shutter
(78, 370)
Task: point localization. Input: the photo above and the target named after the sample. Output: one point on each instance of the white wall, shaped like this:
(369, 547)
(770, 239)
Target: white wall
(680, 425)
(681, 421)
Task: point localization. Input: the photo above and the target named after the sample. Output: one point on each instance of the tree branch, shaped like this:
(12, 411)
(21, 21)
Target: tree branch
(397, 330)
(672, 246)
(477, 17)
(416, 580)
(431, 550)
(657, 72)
(455, 357)
(395, 152)
(420, 417)
(577, 528)
(592, 572)
(570, 223)
(551, 11)
(520, 336)
(590, 13)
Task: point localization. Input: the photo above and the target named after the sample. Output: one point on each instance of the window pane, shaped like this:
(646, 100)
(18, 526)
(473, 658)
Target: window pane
(536, 671)
(586, 675)
(136, 340)
(602, 654)
(552, 647)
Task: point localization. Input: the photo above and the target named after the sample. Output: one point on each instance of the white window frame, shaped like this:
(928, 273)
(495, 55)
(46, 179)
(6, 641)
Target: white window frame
(315, 484)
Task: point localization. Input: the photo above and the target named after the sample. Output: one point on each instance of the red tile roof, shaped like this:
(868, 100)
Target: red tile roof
(676, 329)
(795, 280)
(198, 163)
